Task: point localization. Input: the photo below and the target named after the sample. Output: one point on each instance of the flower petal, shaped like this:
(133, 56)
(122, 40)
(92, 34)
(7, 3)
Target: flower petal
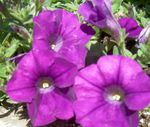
(131, 27)
(127, 23)
(129, 69)
(88, 97)
(138, 92)
(63, 72)
(73, 32)
(43, 27)
(41, 44)
(44, 60)
(110, 67)
(41, 109)
(23, 80)
(105, 115)
(133, 118)
(95, 78)
(63, 102)
(134, 33)
(144, 34)
(75, 54)
(91, 13)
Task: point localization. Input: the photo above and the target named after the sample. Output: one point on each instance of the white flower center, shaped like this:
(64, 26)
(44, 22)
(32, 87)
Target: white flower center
(56, 43)
(114, 94)
(45, 85)
(116, 97)
(53, 46)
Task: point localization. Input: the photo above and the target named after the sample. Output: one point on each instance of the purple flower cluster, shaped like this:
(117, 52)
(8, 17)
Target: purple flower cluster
(99, 13)
(44, 77)
(55, 84)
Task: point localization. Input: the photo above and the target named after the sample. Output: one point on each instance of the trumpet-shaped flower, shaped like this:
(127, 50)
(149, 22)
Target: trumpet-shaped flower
(44, 82)
(110, 93)
(99, 13)
(62, 32)
(131, 26)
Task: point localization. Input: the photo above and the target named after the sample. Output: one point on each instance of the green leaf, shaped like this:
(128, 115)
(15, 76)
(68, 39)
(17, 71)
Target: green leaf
(71, 6)
(128, 53)
(116, 5)
(3, 71)
(143, 54)
(12, 49)
(91, 42)
(115, 50)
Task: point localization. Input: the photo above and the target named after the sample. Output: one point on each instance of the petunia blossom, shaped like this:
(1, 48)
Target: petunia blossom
(62, 32)
(99, 13)
(131, 27)
(44, 82)
(110, 93)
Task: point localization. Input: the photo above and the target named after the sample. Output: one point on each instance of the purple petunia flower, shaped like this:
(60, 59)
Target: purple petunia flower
(44, 82)
(110, 93)
(62, 32)
(131, 26)
(99, 13)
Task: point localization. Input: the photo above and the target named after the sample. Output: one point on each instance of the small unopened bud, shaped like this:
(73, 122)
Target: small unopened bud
(42, 1)
(3, 88)
(21, 31)
(145, 34)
